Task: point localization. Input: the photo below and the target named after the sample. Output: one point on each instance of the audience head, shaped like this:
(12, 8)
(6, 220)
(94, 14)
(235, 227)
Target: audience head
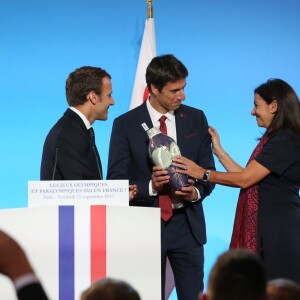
(15, 265)
(283, 289)
(236, 275)
(13, 260)
(110, 289)
(81, 82)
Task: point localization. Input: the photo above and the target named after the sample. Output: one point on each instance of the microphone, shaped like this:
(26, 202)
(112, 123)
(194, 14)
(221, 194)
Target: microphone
(55, 163)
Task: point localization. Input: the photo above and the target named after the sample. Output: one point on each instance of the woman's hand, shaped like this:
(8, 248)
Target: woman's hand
(186, 166)
(215, 139)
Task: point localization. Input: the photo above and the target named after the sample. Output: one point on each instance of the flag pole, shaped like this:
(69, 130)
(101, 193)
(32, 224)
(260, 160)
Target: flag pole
(150, 9)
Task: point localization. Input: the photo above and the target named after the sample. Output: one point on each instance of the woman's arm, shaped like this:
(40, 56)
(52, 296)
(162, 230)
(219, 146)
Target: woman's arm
(249, 176)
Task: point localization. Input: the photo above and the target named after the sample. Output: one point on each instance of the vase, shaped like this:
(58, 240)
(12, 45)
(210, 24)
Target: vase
(162, 150)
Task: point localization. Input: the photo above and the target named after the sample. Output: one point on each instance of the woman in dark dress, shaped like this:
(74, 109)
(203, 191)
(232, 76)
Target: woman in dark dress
(267, 220)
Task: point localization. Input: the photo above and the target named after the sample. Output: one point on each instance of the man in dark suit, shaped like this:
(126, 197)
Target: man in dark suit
(182, 235)
(69, 151)
(15, 265)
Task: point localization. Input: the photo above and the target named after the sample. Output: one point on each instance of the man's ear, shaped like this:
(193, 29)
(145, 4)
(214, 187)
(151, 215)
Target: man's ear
(92, 96)
(154, 90)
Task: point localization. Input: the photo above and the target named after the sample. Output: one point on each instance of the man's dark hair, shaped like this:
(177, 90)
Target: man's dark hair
(283, 289)
(163, 69)
(237, 274)
(83, 81)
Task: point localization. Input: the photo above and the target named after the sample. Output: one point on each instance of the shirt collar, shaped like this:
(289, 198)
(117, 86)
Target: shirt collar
(82, 116)
(155, 115)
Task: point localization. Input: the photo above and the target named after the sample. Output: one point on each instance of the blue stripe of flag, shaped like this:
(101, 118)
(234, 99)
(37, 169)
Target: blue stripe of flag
(66, 253)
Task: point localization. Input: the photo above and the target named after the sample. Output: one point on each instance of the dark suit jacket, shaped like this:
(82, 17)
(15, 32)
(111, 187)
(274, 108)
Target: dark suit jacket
(32, 291)
(69, 153)
(129, 158)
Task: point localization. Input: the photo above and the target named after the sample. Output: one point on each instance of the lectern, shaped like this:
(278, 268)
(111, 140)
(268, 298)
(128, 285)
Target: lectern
(72, 245)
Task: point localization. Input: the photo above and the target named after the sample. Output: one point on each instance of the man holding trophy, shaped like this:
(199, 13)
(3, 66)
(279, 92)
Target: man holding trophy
(183, 232)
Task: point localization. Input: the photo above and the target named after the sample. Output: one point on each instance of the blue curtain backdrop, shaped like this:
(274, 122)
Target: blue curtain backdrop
(229, 47)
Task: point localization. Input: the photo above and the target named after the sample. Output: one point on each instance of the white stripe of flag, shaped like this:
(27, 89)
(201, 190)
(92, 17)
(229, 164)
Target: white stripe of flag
(147, 52)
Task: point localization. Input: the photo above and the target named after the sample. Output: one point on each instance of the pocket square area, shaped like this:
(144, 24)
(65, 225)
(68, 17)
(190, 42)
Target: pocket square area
(191, 135)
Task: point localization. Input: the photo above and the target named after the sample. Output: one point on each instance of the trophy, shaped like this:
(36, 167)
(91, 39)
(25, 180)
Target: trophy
(162, 150)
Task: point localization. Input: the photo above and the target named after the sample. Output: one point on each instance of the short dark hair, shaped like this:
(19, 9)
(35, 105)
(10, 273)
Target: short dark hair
(163, 69)
(288, 105)
(82, 81)
(110, 289)
(283, 289)
(237, 274)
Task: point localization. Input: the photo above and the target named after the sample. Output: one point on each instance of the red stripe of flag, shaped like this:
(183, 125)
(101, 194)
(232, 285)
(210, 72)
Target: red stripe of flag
(98, 242)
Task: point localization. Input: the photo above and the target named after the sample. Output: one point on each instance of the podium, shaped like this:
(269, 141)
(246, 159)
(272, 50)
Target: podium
(71, 246)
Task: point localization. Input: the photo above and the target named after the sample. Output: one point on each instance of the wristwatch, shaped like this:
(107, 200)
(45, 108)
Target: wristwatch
(206, 175)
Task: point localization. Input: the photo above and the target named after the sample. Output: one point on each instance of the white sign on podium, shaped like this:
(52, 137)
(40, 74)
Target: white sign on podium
(77, 192)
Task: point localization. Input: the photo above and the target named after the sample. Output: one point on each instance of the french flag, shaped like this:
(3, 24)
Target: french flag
(72, 246)
(148, 50)
(91, 259)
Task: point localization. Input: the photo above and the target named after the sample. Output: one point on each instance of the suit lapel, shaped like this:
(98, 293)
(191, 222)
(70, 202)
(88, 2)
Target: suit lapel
(72, 115)
(181, 126)
(143, 116)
